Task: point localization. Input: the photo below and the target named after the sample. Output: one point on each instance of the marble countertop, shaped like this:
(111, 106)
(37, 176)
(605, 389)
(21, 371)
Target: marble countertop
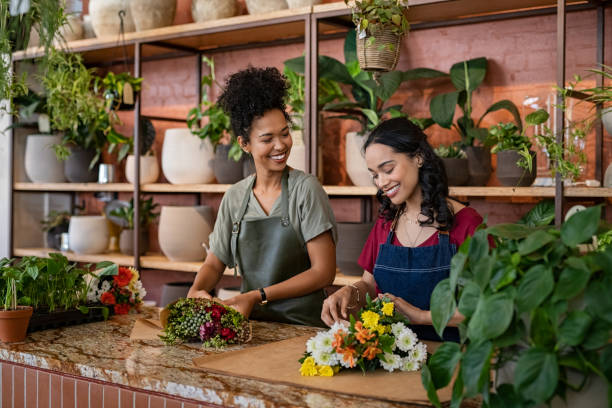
(103, 351)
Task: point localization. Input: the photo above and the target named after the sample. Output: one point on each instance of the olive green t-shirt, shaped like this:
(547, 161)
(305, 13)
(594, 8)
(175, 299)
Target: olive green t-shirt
(309, 212)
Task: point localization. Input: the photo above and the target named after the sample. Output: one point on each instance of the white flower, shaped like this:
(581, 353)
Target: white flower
(140, 290)
(325, 358)
(419, 353)
(397, 328)
(336, 327)
(106, 286)
(390, 362)
(324, 342)
(409, 365)
(311, 345)
(406, 340)
(92, 295)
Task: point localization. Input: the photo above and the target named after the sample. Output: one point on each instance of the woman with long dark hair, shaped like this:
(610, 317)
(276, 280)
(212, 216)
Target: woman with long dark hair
(418, 231)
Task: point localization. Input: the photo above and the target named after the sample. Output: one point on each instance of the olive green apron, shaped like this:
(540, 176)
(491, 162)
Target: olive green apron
(267, 251)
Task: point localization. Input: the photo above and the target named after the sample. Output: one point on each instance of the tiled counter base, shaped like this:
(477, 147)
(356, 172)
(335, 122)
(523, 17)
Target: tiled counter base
(96, 365)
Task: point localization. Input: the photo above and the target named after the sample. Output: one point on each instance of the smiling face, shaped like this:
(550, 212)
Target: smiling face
(396, 174)
(269, 141)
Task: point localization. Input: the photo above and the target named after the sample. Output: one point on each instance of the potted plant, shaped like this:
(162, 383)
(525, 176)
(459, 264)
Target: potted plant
(532, 301)
(380, 27)
(54, 224)
(455, 164)
(14, 319)
(126, 214)
(149, 167)
(119, 90)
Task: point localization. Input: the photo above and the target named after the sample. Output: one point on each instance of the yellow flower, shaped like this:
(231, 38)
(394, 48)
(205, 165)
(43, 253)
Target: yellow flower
(325, 371)
(370, 319)
(387, 309)
(135, 274)
(308, 368)
(381, 329)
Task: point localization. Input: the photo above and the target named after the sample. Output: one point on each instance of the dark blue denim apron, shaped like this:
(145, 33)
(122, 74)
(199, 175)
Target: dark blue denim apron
(413, 273)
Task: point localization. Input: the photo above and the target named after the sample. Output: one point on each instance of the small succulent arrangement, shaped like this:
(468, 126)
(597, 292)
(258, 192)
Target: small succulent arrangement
(206, 320)
(373, 15)
(451, 151)
(147, 213)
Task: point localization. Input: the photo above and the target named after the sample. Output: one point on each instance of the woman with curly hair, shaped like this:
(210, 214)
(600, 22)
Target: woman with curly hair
(419, 229)
(276, 225)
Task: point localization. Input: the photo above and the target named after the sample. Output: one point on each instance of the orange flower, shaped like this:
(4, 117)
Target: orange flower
(348, 355)
(123, 277)
(372, 351)
(338, 340)
(108, 298)
(362, 334)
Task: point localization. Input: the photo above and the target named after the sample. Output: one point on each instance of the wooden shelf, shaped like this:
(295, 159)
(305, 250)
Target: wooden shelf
(119, 259)
(83, 187)
(185, 188)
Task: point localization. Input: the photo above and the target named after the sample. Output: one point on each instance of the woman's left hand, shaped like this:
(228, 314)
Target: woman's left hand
(243, 302)
(413, 313)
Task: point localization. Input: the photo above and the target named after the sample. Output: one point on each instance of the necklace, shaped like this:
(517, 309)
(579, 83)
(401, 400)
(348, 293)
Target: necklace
(416, 239)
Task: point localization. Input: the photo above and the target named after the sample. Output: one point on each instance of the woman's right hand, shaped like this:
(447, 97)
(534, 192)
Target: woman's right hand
(336, 306)
(196, 293)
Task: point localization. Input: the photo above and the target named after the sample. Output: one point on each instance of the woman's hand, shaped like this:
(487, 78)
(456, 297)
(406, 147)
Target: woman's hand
(244, 302)
(336, 306)
(414, 314)
(195, 293)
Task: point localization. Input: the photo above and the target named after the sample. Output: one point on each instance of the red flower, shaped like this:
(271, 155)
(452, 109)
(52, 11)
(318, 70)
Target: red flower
(123, 308)
(227, 333)
(108, 298)
(217, 312)
(124, 277)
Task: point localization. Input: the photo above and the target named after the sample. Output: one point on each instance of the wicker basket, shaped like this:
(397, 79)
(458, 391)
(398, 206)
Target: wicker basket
(378, 56)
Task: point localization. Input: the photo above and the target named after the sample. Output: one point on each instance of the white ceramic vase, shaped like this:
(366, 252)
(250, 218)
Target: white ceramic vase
(356, 167)
(187, 159)
(105, 17)
(149, 14)
(302, 3)
(297, 157)
(88, 234)
(41, 164)
(265, 6)
(183, 230)
(606, 119)
(73, 29)
(206, 10)
(149, 169)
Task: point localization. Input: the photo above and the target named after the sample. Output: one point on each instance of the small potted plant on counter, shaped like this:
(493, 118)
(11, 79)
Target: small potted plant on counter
(455, 164)
(54, 224)
(126, 215)
(14, 319)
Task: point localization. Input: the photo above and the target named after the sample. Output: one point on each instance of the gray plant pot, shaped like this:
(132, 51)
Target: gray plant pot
(76, 167)
(172, 291)
(54, 236)
(510, 174)
(351, 239)
(227, 171)
(126, 242)
(456, 171)
(479, 165)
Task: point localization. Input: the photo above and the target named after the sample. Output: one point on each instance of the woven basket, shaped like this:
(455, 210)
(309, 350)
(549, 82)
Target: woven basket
(378, 56)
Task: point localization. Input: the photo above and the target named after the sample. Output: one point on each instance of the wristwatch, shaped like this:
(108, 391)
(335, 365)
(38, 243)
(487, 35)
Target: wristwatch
(264, 298)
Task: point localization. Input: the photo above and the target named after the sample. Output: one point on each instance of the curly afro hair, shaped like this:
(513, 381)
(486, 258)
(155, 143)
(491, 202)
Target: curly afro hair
(249, 94)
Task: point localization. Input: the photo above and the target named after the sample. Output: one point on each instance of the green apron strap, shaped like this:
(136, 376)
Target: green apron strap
(285, 198)
(236, 224)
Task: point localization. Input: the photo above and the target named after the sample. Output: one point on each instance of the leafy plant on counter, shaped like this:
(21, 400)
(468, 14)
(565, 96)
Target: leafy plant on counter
(532, 300)
(147, 214)
(451, 151)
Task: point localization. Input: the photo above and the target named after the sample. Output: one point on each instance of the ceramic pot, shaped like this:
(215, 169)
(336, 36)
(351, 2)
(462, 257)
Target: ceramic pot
(606, 119)
(88, 31)
(510, 174)
(205, 10)
(54, 236)
(76, 167)
(187, 159)
(302, 3)
(41, 164)
(479, 165)
(88, 234)
(183, 230)
(14, 324)
(456, 171)
(351, 239)
(356, 167)
(173, 291)
(297, 157)
(126, 242)
(105, 17)
(149, 169)
(149, 14)
(73, 29)
(227, 171)
(265, 6)
(608, 177)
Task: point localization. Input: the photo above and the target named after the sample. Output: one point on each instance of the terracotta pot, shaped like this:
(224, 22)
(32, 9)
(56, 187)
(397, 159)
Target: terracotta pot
(76, 167)
(126, 242)
(187, 159)
(356, 167)
(105, 17)
(88, 234)
(297, 157)
(149, 169)
(149, 14)
(510, 174)
(351, 239)
(606, 119)
(456, 171)
(479, 165)
(265, 6)
(41, 164)
(14, 324)
(227, 171)
(183, 230)
(206, 10)
(302, 3)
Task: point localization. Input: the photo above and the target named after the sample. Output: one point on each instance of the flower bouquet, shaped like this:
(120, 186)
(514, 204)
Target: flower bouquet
(122, 291)
(209, 321)
(380, 337)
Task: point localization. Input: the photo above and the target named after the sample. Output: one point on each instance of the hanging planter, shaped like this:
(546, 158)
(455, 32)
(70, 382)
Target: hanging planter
(378, 51)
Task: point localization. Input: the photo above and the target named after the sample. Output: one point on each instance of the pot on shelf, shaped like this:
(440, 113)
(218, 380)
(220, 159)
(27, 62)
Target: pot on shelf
(356, 167)
(88, 234)
(149, 169)
(456, 171)
(173, 291)
(76, 166)
(14, 324)
(187, 159)
(479, 165)
(54, 236)
(606, 119)
(302, 3)
(380, 55)
(149, 14)
(205, 10)
(352, 236)
(510, 174)
(227, 171)
(126, 241)
(265, 6)
(183, 230)
(73, 29)
(41, 164)
(105, 17)
(297, 157)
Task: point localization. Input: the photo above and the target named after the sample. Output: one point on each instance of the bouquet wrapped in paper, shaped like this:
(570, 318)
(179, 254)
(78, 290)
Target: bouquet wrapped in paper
(379, 338)
(209, 321)
(117, 288)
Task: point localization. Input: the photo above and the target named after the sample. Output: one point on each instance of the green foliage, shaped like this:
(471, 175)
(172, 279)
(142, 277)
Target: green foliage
(543, 213)
(452, 151)
(372, 15)
(147, 213)
(55, 219)
(114, 84)
(532, 298)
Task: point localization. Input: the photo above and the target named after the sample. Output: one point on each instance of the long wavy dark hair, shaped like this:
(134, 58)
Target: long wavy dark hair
(405, 137)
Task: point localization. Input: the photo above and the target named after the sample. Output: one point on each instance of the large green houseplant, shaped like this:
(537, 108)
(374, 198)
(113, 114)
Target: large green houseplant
(532, 300)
